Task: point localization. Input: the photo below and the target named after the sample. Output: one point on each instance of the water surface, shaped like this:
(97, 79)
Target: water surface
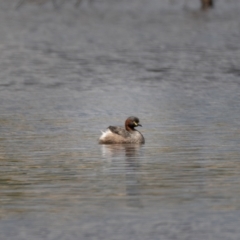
(66, 74)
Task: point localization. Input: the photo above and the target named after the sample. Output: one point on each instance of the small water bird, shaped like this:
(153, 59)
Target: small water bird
(115, 134)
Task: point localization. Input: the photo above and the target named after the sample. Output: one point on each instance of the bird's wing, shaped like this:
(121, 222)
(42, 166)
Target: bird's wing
(119, 130)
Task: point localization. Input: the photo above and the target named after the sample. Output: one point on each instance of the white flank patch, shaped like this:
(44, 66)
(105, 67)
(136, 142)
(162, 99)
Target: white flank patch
(104, 134)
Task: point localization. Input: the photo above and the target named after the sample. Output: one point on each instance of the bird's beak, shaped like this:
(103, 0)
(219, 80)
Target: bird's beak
(137, 124)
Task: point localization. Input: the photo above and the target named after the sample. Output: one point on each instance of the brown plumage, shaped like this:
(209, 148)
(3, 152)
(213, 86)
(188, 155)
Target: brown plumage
(129, 134)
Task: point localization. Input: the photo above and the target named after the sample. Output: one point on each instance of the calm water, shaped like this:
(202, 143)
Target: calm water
(66, 74)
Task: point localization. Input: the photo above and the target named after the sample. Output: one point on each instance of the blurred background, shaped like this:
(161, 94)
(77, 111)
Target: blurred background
(69, 69)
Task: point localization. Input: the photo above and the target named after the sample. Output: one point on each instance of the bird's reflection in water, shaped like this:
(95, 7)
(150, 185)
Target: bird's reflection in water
(129, 153)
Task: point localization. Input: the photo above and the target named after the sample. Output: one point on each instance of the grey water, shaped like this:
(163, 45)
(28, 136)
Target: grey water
(67, 73)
